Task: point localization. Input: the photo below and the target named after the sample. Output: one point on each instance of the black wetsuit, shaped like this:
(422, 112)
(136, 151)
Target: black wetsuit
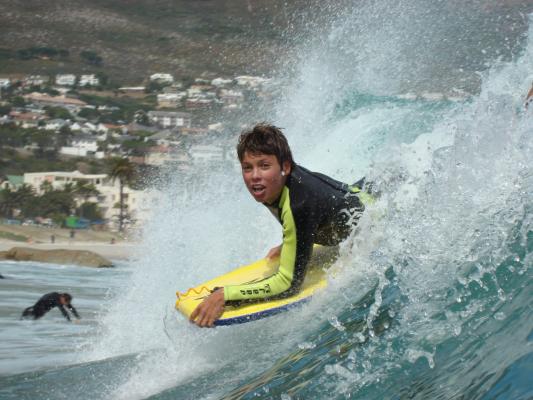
(45, 304)
(312, 208)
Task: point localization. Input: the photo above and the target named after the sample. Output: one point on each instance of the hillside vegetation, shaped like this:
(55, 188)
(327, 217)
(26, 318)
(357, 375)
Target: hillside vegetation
(133, 38)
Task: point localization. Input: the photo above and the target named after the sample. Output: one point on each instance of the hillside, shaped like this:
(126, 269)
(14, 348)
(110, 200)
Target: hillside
(132, 38)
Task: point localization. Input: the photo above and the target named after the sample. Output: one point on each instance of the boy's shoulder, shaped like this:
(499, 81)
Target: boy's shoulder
(302, 176)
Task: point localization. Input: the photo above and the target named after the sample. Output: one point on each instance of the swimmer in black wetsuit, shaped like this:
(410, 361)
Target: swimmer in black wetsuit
(49, 301)
(311, 207)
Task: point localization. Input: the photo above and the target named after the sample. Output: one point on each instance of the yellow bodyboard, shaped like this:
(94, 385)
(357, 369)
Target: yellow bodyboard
(315, 279)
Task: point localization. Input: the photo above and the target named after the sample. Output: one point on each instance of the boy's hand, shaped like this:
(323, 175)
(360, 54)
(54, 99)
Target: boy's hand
(274, 252)
(209, 310)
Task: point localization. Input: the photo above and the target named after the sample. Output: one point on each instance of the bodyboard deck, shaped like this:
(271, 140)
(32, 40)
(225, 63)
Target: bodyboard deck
(315, 279)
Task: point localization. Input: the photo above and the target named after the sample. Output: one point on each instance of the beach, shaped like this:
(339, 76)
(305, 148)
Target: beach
(110, 245)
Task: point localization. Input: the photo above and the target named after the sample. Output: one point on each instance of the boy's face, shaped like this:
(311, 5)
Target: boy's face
(262, 176)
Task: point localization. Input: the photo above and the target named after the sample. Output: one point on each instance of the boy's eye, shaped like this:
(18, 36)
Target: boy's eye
(246, 168)
(265, 166)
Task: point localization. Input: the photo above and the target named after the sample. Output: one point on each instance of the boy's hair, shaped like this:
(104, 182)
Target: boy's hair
(67, 297)
(266, 139)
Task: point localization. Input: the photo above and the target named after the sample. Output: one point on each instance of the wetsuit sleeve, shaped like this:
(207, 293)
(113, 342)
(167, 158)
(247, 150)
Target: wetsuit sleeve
(73, 310)
(63, 311)
(295, 252)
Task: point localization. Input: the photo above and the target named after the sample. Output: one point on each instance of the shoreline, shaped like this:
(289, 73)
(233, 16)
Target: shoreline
(43, 238)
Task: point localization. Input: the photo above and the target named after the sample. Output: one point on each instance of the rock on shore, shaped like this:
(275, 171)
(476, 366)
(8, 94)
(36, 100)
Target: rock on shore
(59, 256)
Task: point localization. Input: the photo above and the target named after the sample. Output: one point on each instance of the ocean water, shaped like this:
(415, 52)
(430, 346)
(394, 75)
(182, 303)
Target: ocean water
(433, 294)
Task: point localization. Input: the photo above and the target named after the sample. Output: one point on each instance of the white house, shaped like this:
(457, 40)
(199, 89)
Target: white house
(55, 124)
(80, 146)
(5, 83)
(196, 103)
(201, 81)
(250, 81)
(170, 119)
(87, 142)
(194, 91)
(102, 128)
(36, 80)
(221, 82)
(89, 80)
(170, 99)
(162, 78)
(132, 89)
(138, 203)
(89, 125)
(75, 126)
(58, 180)
(65, 79)
(216, 127)
(229, 97)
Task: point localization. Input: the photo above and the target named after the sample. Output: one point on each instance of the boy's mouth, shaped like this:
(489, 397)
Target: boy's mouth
(258, 190)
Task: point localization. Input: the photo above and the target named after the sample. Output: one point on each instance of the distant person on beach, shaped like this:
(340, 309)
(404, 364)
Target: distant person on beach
(53, 239)
(49, 301)
(72, 233)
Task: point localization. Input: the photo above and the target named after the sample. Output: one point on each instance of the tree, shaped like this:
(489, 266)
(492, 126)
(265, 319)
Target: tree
(58, 112)
(102, 78)
(63, 136)
(155, 87)
(89, 113)
(85, 190)
(141, 117)
(7, 202)
(5, 109)
(58, 203)
(125, 171)
(91, 58)
(43, 139)
(18, 101)
(24, 198)
(46, 187)
(91, 211)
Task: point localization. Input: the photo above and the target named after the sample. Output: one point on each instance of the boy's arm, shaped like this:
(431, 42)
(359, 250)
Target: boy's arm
(63, 311)
(73, 310)
(295, 253)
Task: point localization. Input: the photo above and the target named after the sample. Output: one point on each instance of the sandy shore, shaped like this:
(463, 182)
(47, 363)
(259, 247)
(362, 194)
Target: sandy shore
(41, 238)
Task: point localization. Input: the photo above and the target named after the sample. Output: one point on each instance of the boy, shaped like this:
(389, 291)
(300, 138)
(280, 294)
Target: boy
(312, 208)
(49, 301)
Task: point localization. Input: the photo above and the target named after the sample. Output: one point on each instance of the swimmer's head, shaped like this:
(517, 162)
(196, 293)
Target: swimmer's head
(265, 139)
(66, 298)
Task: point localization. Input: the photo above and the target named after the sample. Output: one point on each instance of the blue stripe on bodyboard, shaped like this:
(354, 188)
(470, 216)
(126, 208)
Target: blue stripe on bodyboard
(259, 315)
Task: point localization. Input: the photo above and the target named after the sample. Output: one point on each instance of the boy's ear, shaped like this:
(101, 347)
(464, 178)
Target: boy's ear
(286, 167)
